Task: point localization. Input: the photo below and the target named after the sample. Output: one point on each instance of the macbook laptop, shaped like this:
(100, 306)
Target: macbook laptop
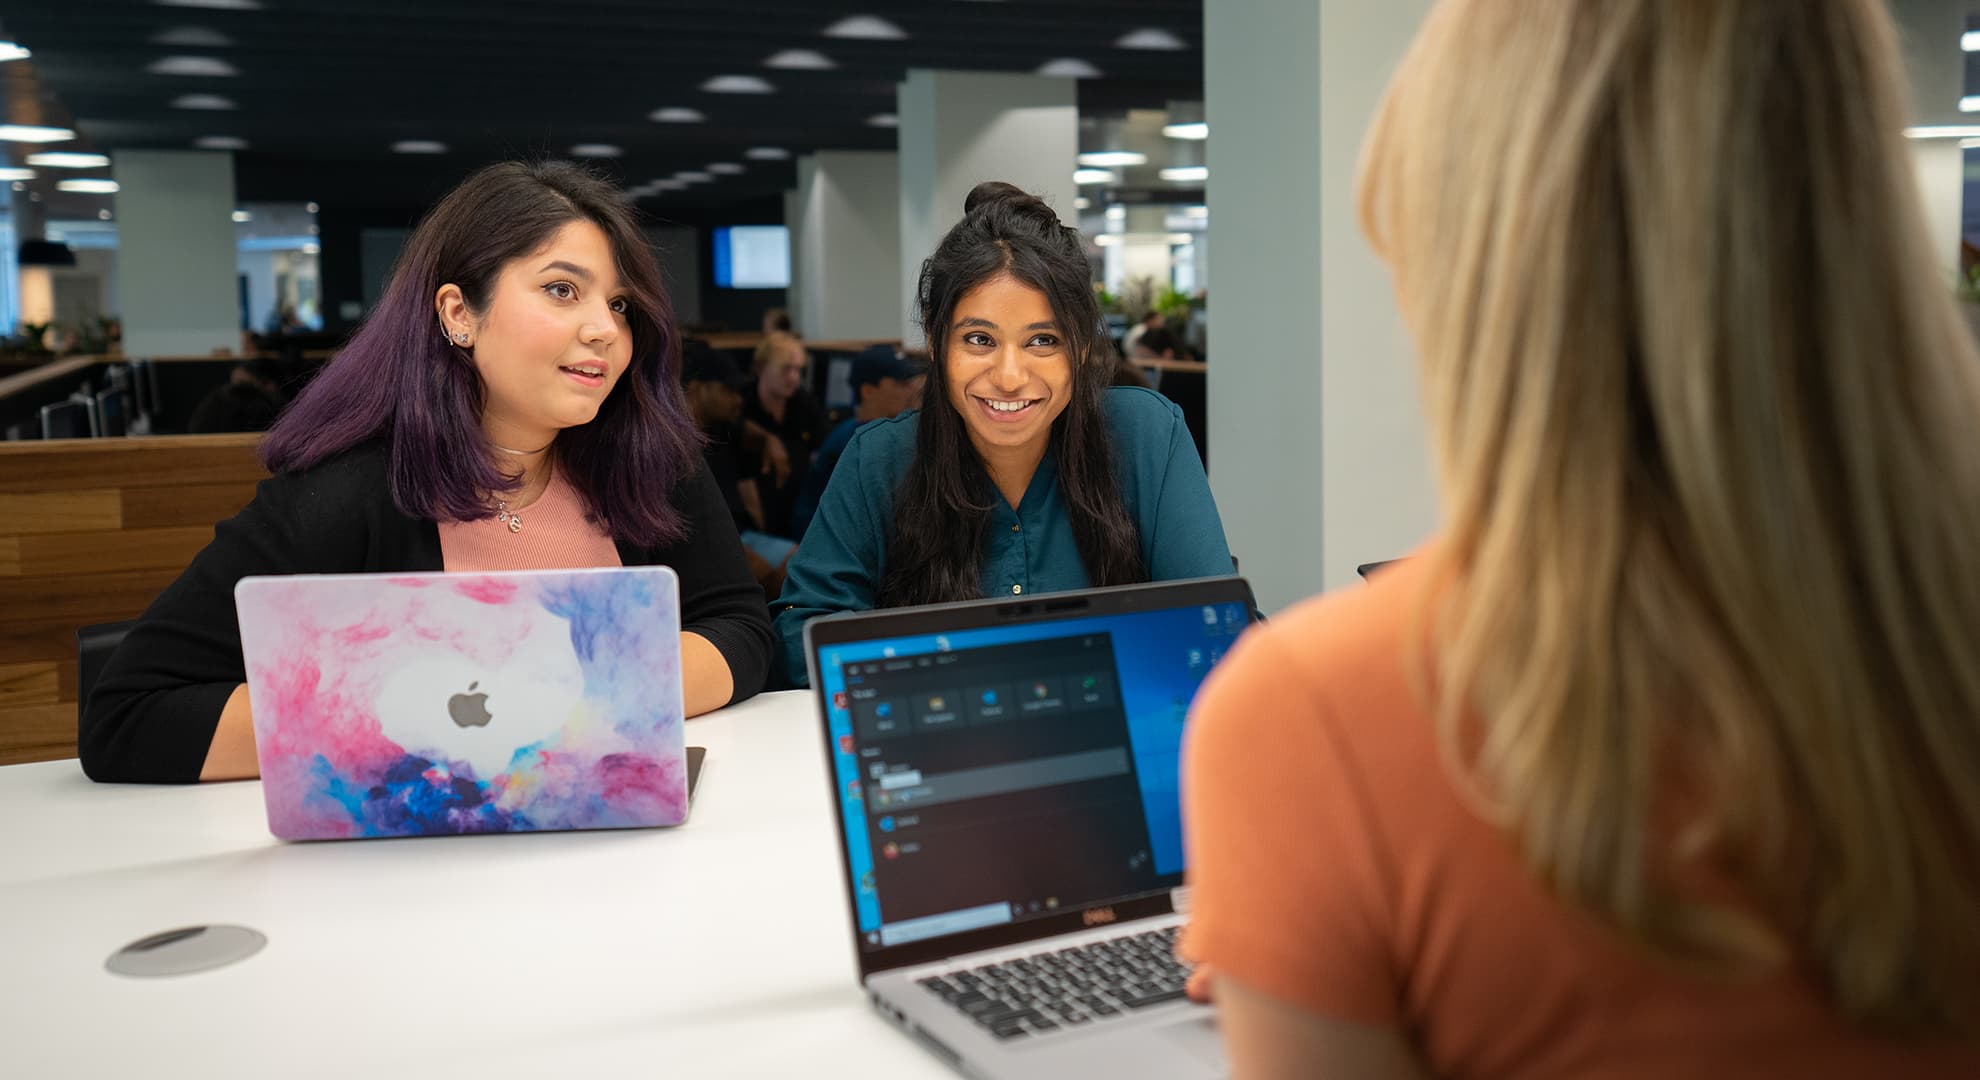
(422, 704)
(1006, 777)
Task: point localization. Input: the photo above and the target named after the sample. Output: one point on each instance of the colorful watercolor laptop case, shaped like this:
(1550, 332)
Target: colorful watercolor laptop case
(422, 704)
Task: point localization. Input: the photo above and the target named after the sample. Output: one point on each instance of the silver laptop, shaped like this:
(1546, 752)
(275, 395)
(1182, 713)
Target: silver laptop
(1006, 774)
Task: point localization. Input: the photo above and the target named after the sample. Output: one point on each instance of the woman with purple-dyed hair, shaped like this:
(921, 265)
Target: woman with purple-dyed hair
(513, 403)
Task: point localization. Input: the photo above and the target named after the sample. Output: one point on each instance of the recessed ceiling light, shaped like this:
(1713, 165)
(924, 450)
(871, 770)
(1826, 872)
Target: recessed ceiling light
(201, 66)
(221, 142)
(726, 168)
(1082, 203)
(197, 37)
(800, 60)
(310, 208)
(1970, 41)
(1117, 213)
(1067, 67)
(1197, 130)
(202, 101)
(1970, 103)
(676, 115)
(1196, 211)
(693, 176)
(737, 84)
(1943, 131)
(419, 146)
(31, 133)
(88, 187)
(596, 150)
(1107, 239)
(12, 51)
(1095, 176)
(1187, 173)
(66, 159)
(103, 215)
(1180, 238)
(767, 153)
(865, 27)
(1150, 38)
(213, 5)
(242, 217)
(1106, 159)
(16, 174)
(883, 120)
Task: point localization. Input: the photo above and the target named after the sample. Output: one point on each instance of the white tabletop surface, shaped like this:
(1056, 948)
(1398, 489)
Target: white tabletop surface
(719, 948)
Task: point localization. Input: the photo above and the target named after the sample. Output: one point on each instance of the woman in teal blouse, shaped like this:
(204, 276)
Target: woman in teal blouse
(1024, 473)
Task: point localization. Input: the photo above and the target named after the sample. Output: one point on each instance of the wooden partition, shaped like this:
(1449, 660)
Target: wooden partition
(90, 531)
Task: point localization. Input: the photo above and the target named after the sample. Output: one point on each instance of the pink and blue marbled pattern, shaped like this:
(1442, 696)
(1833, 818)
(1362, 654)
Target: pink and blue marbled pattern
(350, 677)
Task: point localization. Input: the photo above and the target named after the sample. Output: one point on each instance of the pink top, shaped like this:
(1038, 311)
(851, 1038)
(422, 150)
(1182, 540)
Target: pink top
(554, 536)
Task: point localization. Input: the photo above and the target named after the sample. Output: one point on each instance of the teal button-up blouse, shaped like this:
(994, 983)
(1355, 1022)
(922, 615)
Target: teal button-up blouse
(1028, 550)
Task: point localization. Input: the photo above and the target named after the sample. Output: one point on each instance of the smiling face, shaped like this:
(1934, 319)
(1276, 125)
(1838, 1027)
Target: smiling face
(1008, 369)
(553, 340)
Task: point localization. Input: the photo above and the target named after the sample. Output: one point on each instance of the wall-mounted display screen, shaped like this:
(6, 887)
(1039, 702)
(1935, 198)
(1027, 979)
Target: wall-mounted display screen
(753, 257)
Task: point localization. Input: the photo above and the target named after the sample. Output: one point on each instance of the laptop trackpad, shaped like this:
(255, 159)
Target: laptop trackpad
(1198, 1037)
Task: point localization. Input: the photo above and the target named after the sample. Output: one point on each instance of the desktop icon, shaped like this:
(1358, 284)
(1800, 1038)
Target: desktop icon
(886, 708)
(887, 824)
(1040, 690)
(884, 799)
(845, 744)
(866, 882)
(891, 851)
(839, 700)
(989, 697)
(852, 790)
(1089, 683)
(1209, 616)
(938, 703)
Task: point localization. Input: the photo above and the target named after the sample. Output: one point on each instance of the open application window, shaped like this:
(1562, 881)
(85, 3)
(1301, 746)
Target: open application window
(1008, 773)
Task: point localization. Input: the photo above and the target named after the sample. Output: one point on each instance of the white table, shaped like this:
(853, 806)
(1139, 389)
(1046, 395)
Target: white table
(719, 948)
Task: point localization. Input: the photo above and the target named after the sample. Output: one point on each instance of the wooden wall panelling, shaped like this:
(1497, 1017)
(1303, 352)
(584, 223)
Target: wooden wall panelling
(90, 531)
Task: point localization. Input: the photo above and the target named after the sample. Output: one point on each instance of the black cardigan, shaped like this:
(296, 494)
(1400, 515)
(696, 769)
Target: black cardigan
(152, 714)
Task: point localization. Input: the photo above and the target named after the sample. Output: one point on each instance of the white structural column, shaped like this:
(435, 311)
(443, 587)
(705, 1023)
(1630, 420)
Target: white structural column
(846, 246)
(176, 257)
(1318, 453)
(960, 128)
(1937, 66)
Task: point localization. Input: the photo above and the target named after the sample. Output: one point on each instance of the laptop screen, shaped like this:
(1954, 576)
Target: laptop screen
(1002, 774)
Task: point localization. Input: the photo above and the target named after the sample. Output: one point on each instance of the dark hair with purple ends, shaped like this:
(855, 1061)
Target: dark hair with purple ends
(401, 380)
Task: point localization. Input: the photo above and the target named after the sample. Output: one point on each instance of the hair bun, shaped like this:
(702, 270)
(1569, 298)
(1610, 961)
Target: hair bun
(1010, 197)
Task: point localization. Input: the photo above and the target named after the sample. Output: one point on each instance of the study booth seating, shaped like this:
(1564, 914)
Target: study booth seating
(90, 531)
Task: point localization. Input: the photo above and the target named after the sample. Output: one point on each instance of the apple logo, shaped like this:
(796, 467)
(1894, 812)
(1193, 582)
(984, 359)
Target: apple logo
(469, 710)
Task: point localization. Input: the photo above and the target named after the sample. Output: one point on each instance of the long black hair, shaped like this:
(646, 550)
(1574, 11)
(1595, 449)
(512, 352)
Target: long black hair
(943, 504)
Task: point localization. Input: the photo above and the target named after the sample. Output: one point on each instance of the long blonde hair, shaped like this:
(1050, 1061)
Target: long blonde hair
(1707, 424)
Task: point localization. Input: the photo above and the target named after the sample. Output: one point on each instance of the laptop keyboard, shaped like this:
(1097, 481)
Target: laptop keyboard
(1071, 987)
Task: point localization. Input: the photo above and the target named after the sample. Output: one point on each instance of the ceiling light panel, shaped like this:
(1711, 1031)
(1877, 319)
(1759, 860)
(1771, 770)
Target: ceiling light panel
(865, 28)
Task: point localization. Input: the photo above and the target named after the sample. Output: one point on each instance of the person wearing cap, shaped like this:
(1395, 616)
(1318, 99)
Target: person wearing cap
(715, 389)
(887, 383)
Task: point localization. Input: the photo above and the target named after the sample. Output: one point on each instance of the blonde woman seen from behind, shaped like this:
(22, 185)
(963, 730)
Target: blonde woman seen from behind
(1663, 758)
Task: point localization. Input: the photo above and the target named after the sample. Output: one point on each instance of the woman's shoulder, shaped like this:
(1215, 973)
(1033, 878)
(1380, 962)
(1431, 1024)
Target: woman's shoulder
(1137, 411)
(884, 444)
(336, 485)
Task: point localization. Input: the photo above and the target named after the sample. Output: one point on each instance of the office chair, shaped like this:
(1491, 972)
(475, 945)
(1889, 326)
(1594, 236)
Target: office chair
(71, 419)
(113, 413)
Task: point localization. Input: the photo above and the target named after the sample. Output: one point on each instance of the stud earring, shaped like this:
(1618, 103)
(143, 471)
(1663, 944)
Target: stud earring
(461, 338)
